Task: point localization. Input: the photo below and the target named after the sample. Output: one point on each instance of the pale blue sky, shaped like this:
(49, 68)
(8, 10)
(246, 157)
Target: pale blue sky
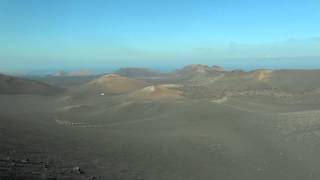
(40, 35)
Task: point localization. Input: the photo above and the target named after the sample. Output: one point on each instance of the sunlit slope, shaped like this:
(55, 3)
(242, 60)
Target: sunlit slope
(115, 84)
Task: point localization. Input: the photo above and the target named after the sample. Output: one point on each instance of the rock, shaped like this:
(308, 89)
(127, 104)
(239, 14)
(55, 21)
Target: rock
(25, 160)
(77, 169)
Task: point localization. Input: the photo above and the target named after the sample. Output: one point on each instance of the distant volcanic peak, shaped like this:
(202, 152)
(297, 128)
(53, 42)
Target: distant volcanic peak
(72, 74)
(200, 69)
(107, 77)
(138, 72)
(60, 73)
(134, 69)
(112, 76)
(113, 83)
(217, 68)
(197, 67)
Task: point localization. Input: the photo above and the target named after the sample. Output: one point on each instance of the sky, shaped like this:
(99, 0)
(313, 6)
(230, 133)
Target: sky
(46, 35)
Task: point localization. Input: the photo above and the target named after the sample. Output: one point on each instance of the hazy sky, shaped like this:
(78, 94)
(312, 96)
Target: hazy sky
(44, 35)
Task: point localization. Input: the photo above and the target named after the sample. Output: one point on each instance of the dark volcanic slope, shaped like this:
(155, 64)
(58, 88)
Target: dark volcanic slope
(15, 85)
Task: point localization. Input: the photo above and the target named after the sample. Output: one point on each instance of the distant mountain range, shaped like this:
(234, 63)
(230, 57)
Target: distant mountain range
(139, 73)
(71, 74)
(183, 73)
(193, 80)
